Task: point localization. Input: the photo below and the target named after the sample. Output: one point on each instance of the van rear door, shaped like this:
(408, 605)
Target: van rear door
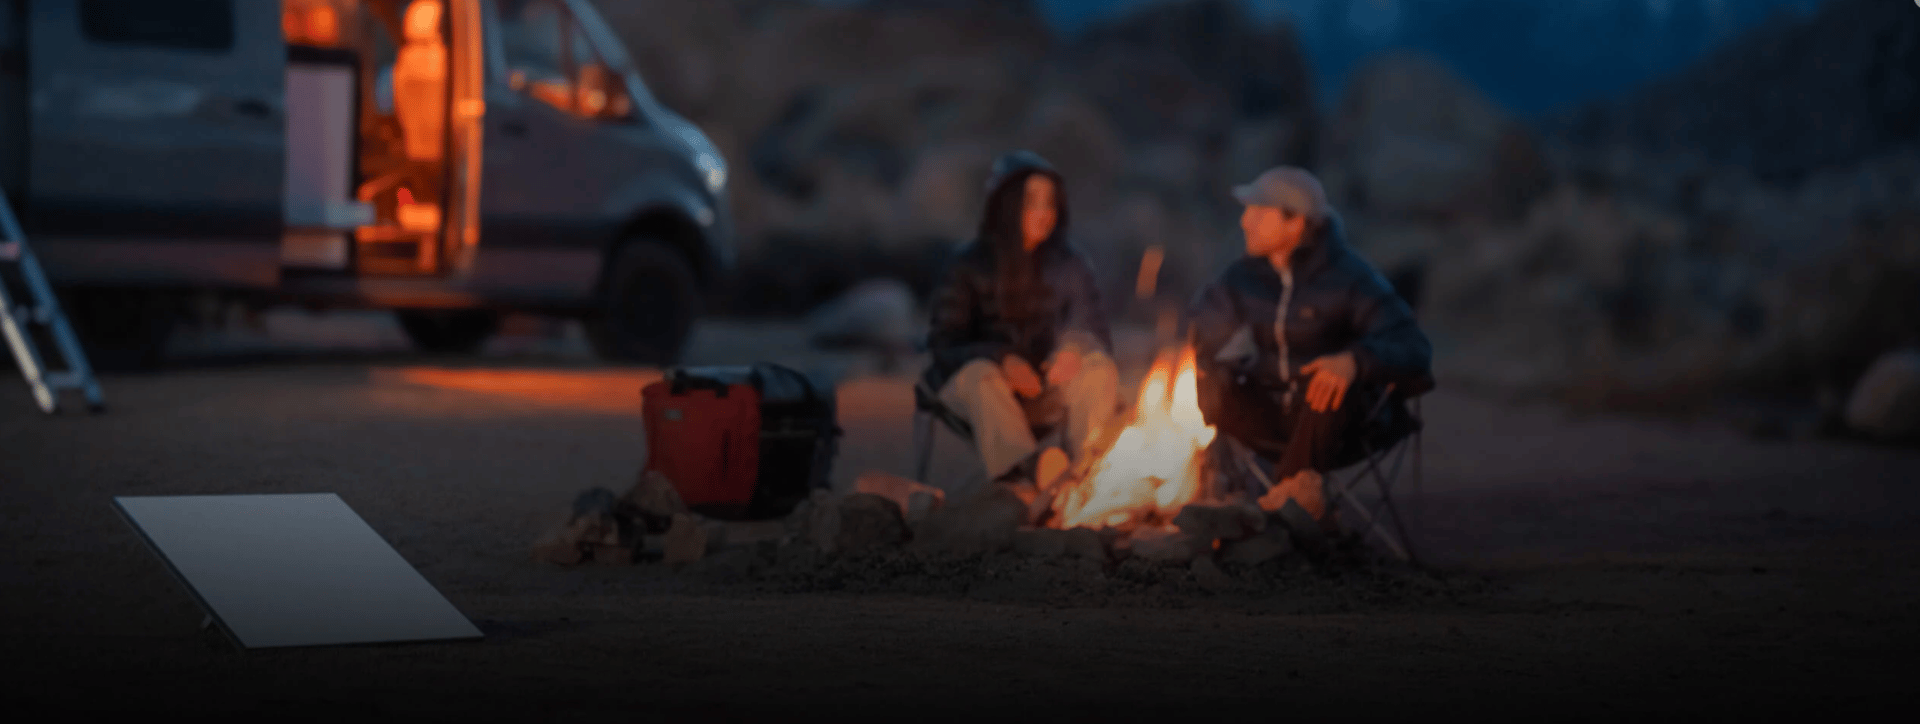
(158, 121)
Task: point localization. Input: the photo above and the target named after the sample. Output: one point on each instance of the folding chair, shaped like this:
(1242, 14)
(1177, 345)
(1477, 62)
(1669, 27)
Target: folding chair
(1386, 441)
(1385, 444)
(927, 408)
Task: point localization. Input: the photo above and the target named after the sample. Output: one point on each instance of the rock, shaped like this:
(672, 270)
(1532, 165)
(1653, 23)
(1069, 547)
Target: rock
(655, 499)
(921, 504)
(733, 563)
(560, 548)
(877, 313)
(1271, 543)
(1086, 543)
(595, 518)
(983, 523)
(1210, 577)
(822, 525)
(1156, 545)
(869, 521)
(716, 532)
(1306, 532)
(1886, 401)
(915, 499)
(1220, 522)
(685, 541)
(612, 555)
(1040, 542)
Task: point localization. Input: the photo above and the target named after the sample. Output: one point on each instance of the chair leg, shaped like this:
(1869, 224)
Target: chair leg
(922, 444)
(1370, 518)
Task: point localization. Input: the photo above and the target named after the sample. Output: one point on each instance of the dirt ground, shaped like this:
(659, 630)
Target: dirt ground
(1582, 569)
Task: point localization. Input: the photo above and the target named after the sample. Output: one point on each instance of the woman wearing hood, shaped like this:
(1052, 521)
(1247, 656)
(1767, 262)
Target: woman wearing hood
(1018, 335)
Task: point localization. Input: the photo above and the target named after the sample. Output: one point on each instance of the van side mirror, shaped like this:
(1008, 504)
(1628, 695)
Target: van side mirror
(601, 94)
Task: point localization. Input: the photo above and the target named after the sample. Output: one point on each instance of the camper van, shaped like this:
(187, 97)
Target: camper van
(451, 160)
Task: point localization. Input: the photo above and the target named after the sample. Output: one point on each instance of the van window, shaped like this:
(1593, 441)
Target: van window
(549, 57)
(180, 24)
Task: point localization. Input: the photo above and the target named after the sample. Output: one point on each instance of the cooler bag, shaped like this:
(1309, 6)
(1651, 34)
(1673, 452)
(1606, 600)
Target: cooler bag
(787, 442)
(704, 435)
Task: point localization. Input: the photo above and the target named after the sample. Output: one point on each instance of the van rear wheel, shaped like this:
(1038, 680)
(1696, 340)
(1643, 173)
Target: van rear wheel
(647, 309)
(461, 331)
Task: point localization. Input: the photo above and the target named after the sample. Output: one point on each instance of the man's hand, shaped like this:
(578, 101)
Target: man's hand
(1332, 375)
(1065, 365)
(1020, 376)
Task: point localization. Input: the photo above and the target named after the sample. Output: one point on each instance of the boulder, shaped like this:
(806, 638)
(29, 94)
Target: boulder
(1885, 403)
(943, 194)
(1412, 139)
(878, 314)
(869, 521)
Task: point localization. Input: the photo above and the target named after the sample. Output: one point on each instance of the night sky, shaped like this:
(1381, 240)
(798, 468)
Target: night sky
(1531, 55)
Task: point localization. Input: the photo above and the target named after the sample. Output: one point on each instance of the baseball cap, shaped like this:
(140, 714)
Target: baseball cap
(1290, 188)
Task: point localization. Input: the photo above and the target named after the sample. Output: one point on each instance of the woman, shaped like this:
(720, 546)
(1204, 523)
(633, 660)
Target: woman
(1017, 333)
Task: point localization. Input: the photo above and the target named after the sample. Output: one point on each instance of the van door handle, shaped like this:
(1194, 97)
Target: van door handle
(515, 129)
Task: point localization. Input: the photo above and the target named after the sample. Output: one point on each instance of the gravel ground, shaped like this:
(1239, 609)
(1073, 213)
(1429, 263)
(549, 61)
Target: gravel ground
(1583, 568)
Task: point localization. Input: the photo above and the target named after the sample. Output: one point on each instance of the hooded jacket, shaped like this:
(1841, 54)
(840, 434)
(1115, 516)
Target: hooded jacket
(1252, 323)
(981, 311)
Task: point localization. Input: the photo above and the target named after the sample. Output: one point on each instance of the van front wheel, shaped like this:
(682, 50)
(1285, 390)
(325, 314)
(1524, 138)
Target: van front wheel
(647, 309)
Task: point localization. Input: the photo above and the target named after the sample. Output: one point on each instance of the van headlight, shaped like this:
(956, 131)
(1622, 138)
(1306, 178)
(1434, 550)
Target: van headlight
(713, 170)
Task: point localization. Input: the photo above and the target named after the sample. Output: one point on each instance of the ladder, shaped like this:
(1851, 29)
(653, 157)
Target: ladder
(44, 310)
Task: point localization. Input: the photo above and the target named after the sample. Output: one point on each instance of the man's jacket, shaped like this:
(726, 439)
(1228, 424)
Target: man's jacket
(1253, 323)
(979, 313)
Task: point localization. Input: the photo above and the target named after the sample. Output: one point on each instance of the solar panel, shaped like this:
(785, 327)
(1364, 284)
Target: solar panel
(293, 570)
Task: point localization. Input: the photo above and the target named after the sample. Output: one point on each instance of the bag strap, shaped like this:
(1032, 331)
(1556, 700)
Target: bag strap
(681, 382)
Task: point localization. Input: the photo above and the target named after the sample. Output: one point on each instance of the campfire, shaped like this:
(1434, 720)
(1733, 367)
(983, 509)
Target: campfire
(1154, 467)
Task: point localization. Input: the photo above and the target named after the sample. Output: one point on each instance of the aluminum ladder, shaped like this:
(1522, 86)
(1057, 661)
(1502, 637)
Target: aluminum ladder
(44, 310)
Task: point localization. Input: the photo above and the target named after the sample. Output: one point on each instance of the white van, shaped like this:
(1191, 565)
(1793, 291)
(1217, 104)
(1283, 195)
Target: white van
(452, 160)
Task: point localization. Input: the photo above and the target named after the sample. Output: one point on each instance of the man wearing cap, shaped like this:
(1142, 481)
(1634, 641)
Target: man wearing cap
(1298, 340)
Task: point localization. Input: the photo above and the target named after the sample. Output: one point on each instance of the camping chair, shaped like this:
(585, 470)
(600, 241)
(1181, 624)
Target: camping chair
(927, 408)
(1385, 443)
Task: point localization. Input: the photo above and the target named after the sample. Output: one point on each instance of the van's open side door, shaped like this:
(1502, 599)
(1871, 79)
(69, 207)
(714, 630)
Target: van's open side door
(466, 50)
(158, 121)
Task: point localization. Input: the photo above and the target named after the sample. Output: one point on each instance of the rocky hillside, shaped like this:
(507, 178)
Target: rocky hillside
(1753, 221)
(860, 137)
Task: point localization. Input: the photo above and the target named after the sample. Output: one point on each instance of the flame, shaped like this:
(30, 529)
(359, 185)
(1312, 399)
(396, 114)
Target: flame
(1154, 467)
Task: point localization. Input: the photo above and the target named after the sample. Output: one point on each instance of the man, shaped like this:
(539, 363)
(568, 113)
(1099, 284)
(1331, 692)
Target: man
(1018, 334)
(1297, 341)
